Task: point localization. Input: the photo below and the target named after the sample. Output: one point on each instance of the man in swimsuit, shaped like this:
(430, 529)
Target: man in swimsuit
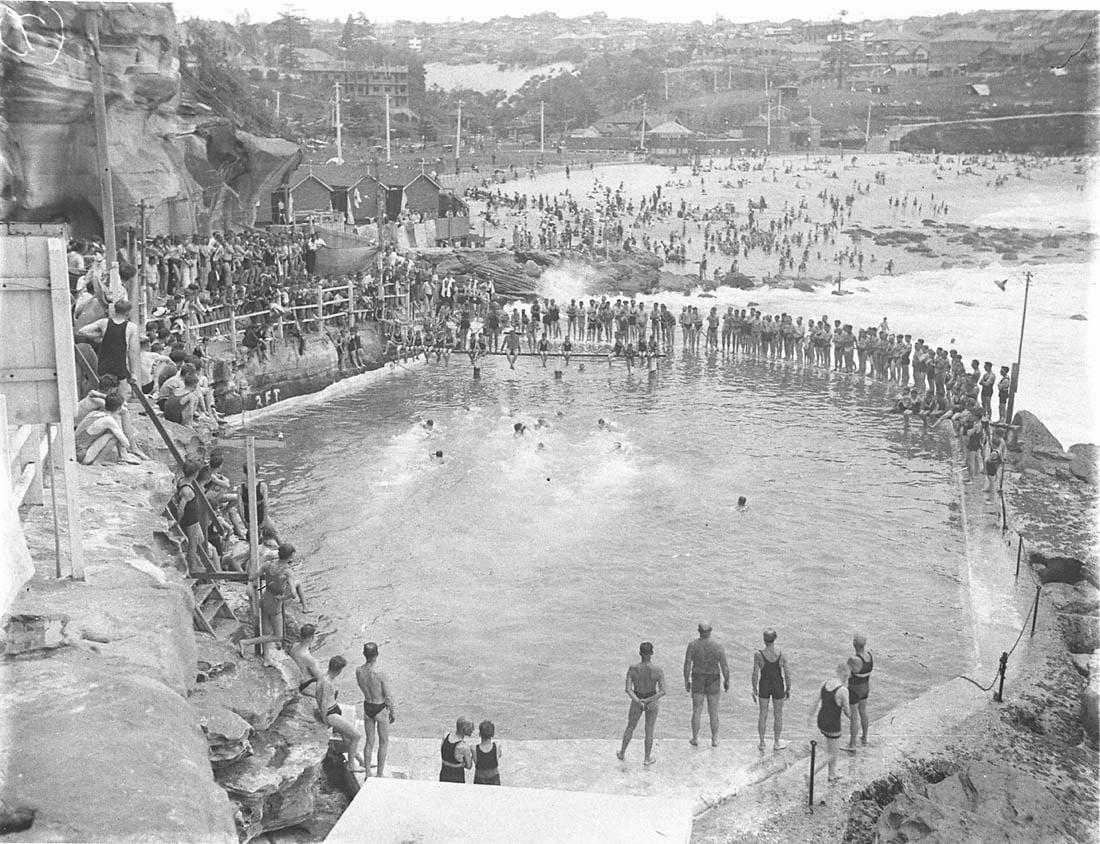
(306, 662)
(333, 716)
(280, 586)
(831, 703)
(859, 686)
(376, 700)
(771, 680)
(703, 661)
(511, 347)
(645, 685)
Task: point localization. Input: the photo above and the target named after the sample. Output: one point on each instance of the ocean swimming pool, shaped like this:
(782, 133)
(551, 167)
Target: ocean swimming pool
(515, 583)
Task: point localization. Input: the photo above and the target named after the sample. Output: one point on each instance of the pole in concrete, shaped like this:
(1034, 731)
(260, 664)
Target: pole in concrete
(1019, 555)
(999, 695)
(1035, 608)
(813, 760)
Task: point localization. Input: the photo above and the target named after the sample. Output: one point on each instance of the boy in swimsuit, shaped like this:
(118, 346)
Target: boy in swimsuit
(378, 709)
(645, 685)
(511, 347)
(333, 716)
(306, 662)
(771, 680)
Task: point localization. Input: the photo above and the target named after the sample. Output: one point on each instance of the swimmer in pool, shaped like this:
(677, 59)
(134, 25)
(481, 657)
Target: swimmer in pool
(742, 503)
(541, 447)
(518, 429)
(602, 425)
(428, 425)
(580, 367)
(436, 455)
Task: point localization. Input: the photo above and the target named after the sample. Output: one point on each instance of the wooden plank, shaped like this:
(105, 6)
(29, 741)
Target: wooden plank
(15, 229)
(27, 374)
(13, 282)
(66, 391)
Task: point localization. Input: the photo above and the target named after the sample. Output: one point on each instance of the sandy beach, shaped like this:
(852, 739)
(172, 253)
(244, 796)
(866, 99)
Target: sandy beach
(1039, 220)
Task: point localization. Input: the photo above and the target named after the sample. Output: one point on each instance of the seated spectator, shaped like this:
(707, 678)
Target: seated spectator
(99, 436)
(182, 405)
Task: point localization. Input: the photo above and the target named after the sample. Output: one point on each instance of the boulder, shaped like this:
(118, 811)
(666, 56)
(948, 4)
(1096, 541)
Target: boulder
(27, 633)
(1090, 720)
(226, 734)
(1083, 462)
(274, 787)
(532, 269)
(1080, 632)
(1032, 435)
(1003, 804)
(243, 685)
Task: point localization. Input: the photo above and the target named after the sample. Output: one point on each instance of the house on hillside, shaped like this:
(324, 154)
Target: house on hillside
(806, 133)
(954, 52)
(978, 90)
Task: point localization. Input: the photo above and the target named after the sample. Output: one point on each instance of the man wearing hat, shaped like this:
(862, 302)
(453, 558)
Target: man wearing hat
(645, 685)
(706, 674)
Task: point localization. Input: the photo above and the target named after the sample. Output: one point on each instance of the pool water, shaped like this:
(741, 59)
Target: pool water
(515, 583)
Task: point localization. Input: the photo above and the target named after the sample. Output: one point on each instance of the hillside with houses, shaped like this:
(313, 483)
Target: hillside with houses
(663, 88)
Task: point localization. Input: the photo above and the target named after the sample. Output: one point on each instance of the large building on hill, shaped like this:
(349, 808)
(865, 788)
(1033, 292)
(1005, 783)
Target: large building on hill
(360, 83)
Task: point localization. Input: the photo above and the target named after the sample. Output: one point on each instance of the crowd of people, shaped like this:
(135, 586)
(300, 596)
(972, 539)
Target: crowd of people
(706, 675)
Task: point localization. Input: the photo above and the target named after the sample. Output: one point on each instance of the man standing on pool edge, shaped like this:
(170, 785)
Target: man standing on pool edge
(859, 686)
(704, 659)
(645, 684)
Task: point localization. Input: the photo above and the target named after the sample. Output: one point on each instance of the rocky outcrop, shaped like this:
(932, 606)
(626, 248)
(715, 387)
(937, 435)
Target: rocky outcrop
(1083, 462)
(48, 166)
(242, 685)
(274, 787)
(227, 735)
(106, 746)
(1003, 804)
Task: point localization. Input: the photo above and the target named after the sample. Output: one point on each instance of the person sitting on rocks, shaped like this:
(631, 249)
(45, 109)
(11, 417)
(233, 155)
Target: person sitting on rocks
(99, 436)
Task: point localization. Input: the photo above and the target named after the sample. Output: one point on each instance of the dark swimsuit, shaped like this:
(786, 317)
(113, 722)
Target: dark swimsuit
(335, 708)
(771, 679)
(486, 767)
(828, 716)
(371, 710)
(451, 770)
(860, 687)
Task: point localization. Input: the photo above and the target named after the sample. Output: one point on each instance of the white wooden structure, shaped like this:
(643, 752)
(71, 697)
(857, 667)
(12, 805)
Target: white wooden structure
(38, 371)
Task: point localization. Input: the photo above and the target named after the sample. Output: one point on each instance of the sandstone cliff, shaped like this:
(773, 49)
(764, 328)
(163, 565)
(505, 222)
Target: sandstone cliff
(195, 173)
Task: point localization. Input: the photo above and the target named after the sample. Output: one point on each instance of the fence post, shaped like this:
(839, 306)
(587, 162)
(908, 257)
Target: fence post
(1035, 608)
(351, 303)
(1019, 553)
(813, 760)
(320, 309)
(999, 695)
(233, 329)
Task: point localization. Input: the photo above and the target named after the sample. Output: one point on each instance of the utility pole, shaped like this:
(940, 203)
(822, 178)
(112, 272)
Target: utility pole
(379, 200)
(106, 188)
(867, 132)
(278, 100)
(339, 129)
(666, 72)
(140, 277)
(387, 127)
(458, 136)
(729, 77)
(643, 126)
(1011, 410)
(542, 127)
